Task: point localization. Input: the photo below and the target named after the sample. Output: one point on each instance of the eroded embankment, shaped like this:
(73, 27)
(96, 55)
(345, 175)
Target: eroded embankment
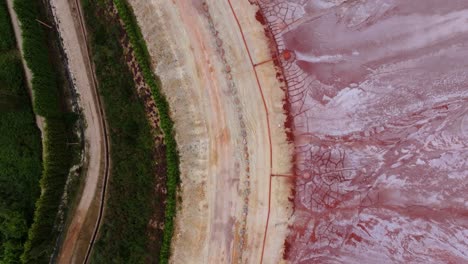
(377, 93)
(217, 73)
(134, 215)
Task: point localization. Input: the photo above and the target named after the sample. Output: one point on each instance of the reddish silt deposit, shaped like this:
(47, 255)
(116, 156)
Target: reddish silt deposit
(378, 92)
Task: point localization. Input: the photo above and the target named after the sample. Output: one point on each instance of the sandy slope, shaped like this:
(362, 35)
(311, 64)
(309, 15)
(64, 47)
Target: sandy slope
(77, 237)
(227, 151)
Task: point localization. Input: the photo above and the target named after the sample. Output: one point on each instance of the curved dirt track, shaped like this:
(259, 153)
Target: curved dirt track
(227, 105)
(89, 208)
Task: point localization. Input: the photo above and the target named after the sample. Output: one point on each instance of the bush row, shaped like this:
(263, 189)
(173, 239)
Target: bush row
(173, 173)
(56, 155)
(41, 236)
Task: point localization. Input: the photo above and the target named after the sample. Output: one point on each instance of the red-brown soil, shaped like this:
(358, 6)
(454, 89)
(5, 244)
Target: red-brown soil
(377, 91)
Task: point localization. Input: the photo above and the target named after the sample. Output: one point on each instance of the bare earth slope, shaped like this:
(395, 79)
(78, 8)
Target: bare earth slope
(229, 121)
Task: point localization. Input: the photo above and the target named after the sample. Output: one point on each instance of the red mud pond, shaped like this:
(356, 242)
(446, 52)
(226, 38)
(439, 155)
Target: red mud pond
(378, 94)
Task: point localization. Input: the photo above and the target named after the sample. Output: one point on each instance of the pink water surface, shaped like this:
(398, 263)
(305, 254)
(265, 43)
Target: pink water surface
(379, 96)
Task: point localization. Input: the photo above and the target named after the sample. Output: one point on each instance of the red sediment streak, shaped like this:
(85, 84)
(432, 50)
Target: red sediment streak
(289, 123)
(283, 175)
(287, 55)
(260, 18)
(354, 237)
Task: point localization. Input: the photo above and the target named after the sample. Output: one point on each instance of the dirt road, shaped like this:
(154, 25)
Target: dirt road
(227, 107)
(84, 217)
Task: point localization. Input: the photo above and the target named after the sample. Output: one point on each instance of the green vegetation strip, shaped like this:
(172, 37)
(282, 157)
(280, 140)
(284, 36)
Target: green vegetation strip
(57, 156)
(131, 190)
(20, 152)
(173, 173)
